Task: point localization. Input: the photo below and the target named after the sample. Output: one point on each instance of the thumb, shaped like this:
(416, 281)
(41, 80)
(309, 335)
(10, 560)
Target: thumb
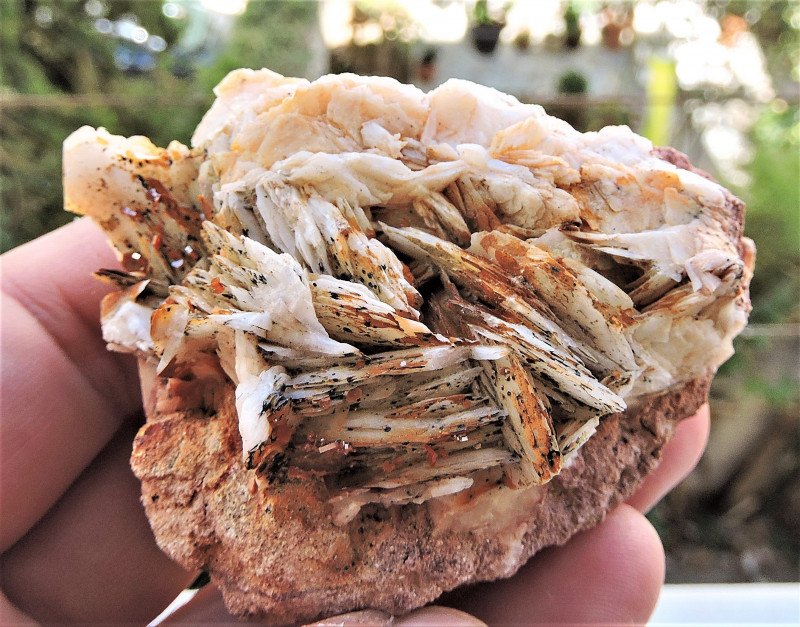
(424, 617)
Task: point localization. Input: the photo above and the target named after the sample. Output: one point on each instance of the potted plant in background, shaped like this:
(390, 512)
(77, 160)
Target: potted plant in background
(522, 41)
(427, 65)
(618, 22)
(572, 86)
(486, 26)
(572, 83)
(572, 24)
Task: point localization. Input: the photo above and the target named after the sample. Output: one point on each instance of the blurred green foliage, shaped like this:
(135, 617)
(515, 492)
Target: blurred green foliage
(271, 34)
(773, 215)
(775, 24)
(55, 61)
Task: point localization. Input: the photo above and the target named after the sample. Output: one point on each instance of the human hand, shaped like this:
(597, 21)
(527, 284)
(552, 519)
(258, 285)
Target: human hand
(77, 547)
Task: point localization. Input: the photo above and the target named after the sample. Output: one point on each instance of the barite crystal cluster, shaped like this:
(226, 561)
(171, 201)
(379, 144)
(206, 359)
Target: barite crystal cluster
(414, 298)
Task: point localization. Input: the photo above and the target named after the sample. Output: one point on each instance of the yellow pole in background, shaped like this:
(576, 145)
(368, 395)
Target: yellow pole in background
(662, 91)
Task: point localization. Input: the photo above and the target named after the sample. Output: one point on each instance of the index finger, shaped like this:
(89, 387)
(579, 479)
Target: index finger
(64, 395)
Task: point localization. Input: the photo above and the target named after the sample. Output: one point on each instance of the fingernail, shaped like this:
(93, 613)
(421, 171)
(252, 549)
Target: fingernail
(440, 616)
(364, 617)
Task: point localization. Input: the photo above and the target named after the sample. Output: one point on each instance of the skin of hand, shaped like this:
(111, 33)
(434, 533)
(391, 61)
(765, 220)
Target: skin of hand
(77, 548)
